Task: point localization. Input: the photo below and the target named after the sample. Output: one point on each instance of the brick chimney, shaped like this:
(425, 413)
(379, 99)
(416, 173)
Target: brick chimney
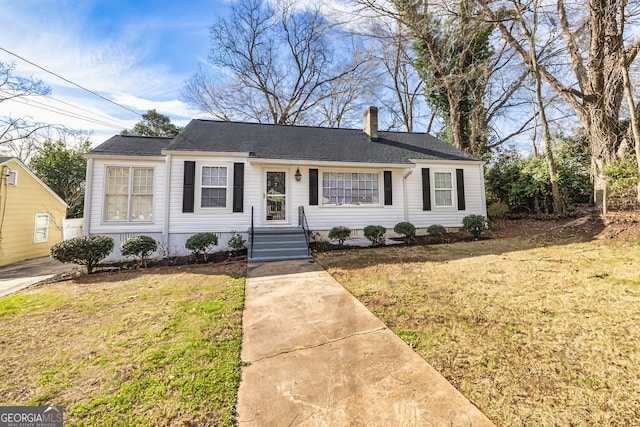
(370, 117)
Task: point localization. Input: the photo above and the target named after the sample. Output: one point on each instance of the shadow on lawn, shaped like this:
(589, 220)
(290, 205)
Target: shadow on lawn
(234, 267)
(534, 235)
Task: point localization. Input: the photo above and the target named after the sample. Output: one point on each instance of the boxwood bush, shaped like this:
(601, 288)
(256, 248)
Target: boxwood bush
(340, 233)
(474, 224)
(140, 247)
(436, 230)
(375, 234)
(201, 243)
(236, 242)
(407, 230)
(84, 250)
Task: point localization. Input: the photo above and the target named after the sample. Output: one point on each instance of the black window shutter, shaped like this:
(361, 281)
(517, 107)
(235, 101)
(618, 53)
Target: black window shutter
(388, 192)
(313, 187)
(460, 185)
(238, 187)
(188, 187)
(426, 190)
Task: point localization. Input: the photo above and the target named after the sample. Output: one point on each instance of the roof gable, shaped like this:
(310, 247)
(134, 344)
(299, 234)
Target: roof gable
(6, 160)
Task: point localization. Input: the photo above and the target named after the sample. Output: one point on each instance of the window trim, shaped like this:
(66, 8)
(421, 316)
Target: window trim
(46, 228)
(451, 189)
(198, 208)
(380, 188)
(130, 195)
(11, 179)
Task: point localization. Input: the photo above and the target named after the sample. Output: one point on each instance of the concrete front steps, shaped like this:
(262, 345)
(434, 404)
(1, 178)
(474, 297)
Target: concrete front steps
(278, 244)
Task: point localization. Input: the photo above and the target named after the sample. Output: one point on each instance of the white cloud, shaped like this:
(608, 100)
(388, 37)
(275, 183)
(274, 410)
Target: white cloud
(122, 65)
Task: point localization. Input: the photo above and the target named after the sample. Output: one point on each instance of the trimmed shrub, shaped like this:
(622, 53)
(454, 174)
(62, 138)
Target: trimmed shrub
(436, 230)
(407, 229)
(140, 247)
(375, 234)
(200, 243)
(340, 233)
(236, 242)
(84, 250)
(474, 224)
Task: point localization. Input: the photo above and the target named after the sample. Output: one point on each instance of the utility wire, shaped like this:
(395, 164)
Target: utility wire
(95, 118)
(69, 81)
(65, 113)
(100, 116)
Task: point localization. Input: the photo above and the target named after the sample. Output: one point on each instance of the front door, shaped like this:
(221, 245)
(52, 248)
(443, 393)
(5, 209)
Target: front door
(276, 197)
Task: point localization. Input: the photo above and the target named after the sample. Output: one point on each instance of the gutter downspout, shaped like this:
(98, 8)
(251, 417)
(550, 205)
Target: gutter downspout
(483, 194)
(86, 220)
(167, 201)
(405, 192)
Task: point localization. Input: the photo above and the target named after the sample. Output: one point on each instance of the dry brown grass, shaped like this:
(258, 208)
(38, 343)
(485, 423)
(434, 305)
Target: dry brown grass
(533, 333)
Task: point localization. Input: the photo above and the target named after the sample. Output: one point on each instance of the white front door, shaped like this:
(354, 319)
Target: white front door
(276, 197)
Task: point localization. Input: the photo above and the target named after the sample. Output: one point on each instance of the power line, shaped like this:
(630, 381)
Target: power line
(94, 118)
(83, 109)
(67, 113)
(69, 81)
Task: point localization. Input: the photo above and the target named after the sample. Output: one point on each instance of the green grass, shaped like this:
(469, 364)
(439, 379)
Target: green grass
(155, 347)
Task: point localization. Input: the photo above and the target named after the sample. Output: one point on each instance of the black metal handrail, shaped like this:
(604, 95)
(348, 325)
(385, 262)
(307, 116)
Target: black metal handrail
(302, 222)
(251, 236)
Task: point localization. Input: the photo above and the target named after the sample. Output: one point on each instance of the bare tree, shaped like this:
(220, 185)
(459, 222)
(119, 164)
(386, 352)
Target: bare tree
(18, 136)
(594, 38)
(273, 64)
(468, 75)
(392, 49)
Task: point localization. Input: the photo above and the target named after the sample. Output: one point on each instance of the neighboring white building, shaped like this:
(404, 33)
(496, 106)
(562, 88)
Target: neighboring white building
(222, 177)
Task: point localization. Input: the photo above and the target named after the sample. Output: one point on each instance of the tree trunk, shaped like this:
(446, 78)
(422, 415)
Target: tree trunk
(455, 131)
(635, 126)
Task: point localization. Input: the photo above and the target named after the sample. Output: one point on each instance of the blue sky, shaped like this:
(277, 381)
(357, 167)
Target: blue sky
(136, 53)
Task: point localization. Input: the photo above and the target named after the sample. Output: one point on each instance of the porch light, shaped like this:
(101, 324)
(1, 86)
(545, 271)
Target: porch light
(298, 175)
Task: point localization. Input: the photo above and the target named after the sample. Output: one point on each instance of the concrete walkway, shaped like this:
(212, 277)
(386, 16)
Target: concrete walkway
(317, 357)
(23, 274)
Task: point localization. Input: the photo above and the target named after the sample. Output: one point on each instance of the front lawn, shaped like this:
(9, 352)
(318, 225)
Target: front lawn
(533, 333)
(142, 348)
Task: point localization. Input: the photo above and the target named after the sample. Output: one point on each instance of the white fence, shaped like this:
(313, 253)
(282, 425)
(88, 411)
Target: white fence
(71, 227)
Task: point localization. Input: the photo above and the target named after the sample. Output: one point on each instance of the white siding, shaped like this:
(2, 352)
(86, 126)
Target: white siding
(218, 221)
(320, 218)
(446, 216)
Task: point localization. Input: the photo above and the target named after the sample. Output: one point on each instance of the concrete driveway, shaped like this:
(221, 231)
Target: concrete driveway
(23, 274)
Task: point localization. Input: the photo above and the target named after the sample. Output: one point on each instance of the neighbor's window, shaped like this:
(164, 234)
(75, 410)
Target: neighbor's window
(129, 195)
(340, 188)
(41, 229)
(443, 188)
(214, 187)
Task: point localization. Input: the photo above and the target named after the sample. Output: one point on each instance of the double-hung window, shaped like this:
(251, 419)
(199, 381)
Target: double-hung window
(41, 229)
(213, 187)
(129, 194)
(346, 188)
(443, 188)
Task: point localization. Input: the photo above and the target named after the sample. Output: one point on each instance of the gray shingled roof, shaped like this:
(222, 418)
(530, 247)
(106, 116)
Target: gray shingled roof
(4, 159)
(128, 145)
(268, 141)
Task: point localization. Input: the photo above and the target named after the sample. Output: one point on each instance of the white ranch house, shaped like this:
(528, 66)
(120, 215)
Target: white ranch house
(218, 176)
